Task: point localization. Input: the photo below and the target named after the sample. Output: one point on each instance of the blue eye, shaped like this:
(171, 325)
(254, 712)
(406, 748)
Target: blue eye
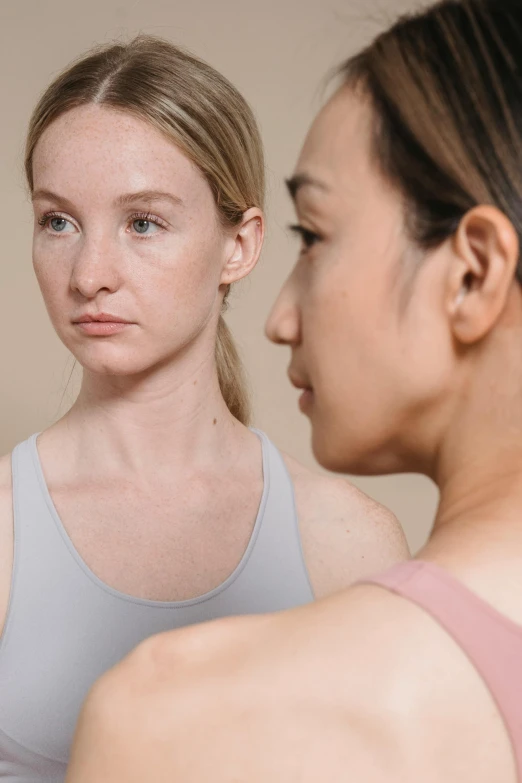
(58, 224)
(141, 226)
(145, 225)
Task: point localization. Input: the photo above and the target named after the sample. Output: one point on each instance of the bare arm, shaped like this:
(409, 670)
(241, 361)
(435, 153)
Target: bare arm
(6, 537)
(346, 535)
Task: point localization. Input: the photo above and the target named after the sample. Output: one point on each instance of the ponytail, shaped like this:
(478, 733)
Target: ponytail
(231, 374)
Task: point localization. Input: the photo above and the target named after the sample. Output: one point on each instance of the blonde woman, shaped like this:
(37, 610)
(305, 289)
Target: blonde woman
(151, 504)
(408, 195)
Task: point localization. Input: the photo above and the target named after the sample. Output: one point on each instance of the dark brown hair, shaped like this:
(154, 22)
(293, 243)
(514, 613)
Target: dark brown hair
(445, 86)
(197, 109)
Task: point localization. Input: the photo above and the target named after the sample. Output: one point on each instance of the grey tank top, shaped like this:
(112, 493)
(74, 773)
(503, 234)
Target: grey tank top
(65, 627)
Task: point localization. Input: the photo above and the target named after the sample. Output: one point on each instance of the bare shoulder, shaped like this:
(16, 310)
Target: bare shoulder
(414, 697)
(132, 720)
(6, 535)
(346, 535)
(388, 696)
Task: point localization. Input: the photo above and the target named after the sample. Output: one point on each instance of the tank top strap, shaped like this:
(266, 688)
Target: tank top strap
(279, 537)
(491, 641)
(34, 527)
(24, 476)
(37, 546)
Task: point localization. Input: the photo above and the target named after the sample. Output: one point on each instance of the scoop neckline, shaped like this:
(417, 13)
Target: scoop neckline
(122, 596)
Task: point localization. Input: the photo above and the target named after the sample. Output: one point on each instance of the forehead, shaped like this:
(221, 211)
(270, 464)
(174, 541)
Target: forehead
(337, 147)
(101, 146)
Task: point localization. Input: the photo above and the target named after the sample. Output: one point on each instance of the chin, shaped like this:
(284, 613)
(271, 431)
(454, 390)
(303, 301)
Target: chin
(344, 452)
(113, 363)
(330, 450)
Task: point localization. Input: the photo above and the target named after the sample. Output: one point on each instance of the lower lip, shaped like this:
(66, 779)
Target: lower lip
(102, 328)
(306, 400)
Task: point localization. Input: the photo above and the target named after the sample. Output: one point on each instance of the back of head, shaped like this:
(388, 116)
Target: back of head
(445, 87)
(196, 108)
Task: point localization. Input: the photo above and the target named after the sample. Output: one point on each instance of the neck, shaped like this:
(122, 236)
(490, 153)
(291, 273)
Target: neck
(479, 474)
(172, 414)
(487, 486)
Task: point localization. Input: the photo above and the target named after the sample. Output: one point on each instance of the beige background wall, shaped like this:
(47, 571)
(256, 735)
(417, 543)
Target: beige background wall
(277, 52)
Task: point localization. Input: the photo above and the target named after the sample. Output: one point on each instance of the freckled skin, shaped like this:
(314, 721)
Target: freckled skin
(167, 283)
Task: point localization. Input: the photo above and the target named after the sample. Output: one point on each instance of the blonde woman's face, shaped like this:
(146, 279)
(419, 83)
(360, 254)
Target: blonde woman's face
(128, 248)
(361, 312)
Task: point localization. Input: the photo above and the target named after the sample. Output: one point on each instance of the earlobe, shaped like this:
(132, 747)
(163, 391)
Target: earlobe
(246, 249)
(483, 268)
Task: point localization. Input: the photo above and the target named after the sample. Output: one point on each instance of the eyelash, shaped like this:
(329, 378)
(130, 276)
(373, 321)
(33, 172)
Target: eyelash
(308, 238)
(45, 219)
(149, 218)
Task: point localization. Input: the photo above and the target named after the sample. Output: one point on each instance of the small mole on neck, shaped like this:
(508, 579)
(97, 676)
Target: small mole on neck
(215, 421)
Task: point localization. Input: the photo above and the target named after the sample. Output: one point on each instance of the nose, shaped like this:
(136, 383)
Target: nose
(96, 267)
(283, 324)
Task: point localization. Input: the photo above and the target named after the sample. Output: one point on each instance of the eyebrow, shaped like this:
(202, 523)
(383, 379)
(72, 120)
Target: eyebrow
(125, 200)
(150, 196)
(49, 196)
(299, 181)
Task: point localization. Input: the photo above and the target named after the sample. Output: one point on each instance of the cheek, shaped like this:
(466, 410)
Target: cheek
(427, 351)
(348, 318)
(379, 361)
(181, 282)
(52, 275)
(354, 348)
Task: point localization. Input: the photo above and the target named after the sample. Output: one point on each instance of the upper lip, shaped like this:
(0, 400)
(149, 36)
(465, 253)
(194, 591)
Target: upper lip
(103, 317)
(297, 381)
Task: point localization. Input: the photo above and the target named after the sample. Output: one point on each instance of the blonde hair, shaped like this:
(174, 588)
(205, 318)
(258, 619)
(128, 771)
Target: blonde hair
(198, 110)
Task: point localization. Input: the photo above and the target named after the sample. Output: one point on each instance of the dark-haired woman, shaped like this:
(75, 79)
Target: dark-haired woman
(404, 316)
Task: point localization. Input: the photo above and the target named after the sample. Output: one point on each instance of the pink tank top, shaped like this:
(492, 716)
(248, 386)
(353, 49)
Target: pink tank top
(491, 641)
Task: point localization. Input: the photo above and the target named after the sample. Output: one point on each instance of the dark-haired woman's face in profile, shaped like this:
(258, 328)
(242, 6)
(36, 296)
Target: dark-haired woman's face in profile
(362, 309)
(125, 228)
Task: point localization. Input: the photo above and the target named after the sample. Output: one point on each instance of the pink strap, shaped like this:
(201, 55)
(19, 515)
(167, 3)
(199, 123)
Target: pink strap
(492, 642)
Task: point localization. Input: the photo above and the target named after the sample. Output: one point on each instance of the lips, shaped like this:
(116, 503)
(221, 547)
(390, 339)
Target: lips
(87, 318)
(298, 381)
(307, 398)
(102, 324)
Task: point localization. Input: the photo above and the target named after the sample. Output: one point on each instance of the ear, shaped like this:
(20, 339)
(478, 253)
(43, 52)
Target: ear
(244, 247)
(485, 255)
